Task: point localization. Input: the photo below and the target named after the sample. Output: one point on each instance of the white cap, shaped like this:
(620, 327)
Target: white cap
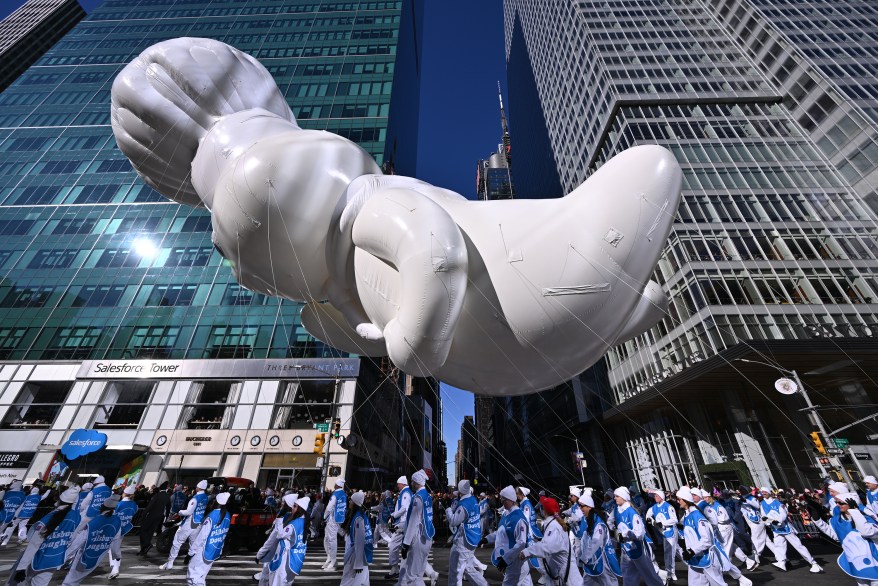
(99, 479)
(524, 490)
(464, 487)
(340, 482)
(455, 492)
(842, 497)
(575, 491)
(303, 503)
(202, 484)
(586, 500)
(697, 492)
(387, 494)
(870, 480)
(15, 485)
(765, 489)
(358, 498)
(130, 489)
(685, 493)
(35, 490)
(88, 486)
(178, 487)
(402, 480)
(290, 499)
(508, 493)
(839, 487)
(657, 492)
(69, 495)
(111, 501)
(622, 492)
(482, 495)
(222, 498)
(269, 492)
(419, 477)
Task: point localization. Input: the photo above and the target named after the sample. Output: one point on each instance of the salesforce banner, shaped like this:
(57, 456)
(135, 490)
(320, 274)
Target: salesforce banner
(82, 442)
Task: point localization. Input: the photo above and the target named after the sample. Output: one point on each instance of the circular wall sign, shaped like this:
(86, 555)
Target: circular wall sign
(297, 441)
(236, 439)
(161, 440)
(274, 440)
(254, 441)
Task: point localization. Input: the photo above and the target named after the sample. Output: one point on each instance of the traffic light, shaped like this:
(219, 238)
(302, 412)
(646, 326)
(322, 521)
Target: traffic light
(818, 443)
(319, 442)
(336, 428)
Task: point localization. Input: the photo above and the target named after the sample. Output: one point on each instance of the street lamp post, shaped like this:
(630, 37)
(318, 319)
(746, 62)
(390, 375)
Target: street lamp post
(813, 415)
(578, 460)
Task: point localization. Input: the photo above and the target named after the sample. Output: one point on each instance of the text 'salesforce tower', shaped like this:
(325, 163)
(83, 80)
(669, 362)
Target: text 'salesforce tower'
(101, 276)
(772, 110)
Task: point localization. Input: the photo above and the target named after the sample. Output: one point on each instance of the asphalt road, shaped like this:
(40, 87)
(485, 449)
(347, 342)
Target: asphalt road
(239, 569)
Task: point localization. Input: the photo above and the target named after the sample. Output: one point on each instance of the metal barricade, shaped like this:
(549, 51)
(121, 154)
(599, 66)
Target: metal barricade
(803, 525)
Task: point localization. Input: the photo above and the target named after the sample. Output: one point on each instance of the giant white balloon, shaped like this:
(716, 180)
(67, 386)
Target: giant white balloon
(499, 297)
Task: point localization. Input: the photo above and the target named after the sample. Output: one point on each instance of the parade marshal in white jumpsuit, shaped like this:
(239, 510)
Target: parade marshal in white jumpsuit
(636, 561)
(419, 531)
(399, 516)
(46, 553)
(774, 513)
(92, 542)
(466, 527)
(555, 548)
(125, 510)
(187, 530)
(334, 515)
(599, 563)
(22, 516)
(753, 516)
(509, 540)
(663, 514)
(283, 553)
(358, 545)
(207, 545)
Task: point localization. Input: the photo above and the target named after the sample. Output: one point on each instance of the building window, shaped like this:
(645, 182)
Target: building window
(36, 406)
(232, 341)
(189, 257)
(303, 404)
(171, 295)
(99, 296)
(211, 405)
(124, 404)
(73, 343)
(154, 341)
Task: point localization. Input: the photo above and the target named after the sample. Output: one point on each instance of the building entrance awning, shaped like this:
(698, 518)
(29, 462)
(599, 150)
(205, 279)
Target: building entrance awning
(820, 364)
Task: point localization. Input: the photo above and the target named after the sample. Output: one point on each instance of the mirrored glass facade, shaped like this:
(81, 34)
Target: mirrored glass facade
(94, 263)
(769, 111)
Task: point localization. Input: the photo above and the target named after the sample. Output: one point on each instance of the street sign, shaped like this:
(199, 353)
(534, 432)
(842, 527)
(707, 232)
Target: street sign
(863, 455)
(835, 451)
(323, 427)
(841, 442)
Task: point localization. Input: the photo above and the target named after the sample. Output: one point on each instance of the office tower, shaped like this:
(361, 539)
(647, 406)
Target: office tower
(494, 174)
(770, 110)
(30, 31)
(115, 310)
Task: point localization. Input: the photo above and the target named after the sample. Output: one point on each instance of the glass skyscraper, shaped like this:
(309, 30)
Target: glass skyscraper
(116, 313)
(770, 109)
(96, 264)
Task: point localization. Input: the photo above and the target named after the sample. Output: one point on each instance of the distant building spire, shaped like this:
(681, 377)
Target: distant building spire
(507, 142)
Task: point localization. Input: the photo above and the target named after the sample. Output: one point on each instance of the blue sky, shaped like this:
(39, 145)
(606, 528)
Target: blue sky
(463, 60)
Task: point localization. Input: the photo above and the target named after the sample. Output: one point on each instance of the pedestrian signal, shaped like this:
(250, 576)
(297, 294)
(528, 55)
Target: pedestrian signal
(818, 443)
(319, 442)
(336, 428)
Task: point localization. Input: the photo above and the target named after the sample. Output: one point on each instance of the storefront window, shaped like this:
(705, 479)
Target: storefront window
(124, 404)
(303, 404)
(36, 406)
(211, 405)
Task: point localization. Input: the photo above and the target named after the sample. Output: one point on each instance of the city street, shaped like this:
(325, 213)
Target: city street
(239, 569)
